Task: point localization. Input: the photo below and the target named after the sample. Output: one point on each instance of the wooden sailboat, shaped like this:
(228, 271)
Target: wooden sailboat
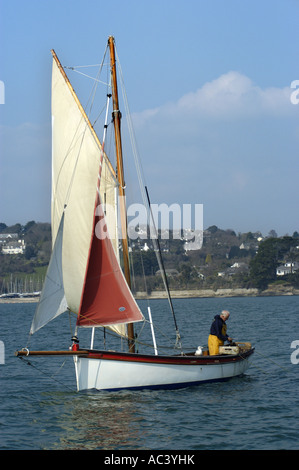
(84, 274)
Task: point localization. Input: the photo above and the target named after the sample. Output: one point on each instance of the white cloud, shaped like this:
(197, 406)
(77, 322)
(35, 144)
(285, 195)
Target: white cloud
(232, 95)
(230, 145)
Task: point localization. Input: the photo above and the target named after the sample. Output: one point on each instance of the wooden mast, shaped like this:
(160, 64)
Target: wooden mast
(121, 179)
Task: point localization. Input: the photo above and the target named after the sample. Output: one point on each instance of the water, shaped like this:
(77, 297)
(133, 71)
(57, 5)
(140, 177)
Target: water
(40, 408)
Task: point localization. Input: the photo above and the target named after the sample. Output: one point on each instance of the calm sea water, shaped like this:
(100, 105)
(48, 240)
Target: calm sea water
(40, 408)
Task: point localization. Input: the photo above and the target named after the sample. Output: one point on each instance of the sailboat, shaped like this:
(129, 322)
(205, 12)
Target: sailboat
(89, 270)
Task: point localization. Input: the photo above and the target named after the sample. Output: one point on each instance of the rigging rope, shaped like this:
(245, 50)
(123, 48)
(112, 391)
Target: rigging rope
(85, 75)
(145, 197)
(29, 363)
(106, 331)
(273, 362)
(88, 109)
(161, 264)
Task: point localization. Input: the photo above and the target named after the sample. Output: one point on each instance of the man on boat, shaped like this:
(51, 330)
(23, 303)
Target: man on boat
(218, 333)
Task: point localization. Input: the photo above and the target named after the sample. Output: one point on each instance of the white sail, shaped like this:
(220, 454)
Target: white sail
(76, 155)
(77, 164)
(52, 300)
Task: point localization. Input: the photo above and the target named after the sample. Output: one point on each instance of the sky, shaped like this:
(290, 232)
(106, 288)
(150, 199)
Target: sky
(213, 88)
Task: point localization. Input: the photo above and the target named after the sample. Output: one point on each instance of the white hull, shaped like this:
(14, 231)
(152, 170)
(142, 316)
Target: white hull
(116, 374)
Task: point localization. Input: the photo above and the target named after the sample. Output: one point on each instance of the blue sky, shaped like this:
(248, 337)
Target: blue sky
(209, 87)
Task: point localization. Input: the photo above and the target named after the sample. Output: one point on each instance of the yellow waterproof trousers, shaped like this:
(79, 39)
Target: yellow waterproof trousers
(213, 344)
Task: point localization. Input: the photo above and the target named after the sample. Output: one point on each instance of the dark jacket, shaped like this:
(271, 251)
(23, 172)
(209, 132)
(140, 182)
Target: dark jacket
(218, 328)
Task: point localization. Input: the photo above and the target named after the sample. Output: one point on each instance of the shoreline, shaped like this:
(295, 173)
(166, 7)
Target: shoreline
(218, 293)
(272, 291)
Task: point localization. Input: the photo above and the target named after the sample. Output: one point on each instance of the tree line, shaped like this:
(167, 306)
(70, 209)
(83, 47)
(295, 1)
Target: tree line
(257, 257)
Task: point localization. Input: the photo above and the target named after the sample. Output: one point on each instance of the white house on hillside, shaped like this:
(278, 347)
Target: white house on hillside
(287, 268)
(14, 247)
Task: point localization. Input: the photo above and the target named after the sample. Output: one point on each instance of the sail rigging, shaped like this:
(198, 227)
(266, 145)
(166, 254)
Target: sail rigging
(84, 195)
(84, 274)
(121, 180)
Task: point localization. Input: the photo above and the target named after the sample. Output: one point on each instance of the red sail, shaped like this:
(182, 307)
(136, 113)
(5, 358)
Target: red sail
(106, 299)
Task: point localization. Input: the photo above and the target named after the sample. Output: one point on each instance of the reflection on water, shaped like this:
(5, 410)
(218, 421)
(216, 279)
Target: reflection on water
(257, 411)
(100, 421)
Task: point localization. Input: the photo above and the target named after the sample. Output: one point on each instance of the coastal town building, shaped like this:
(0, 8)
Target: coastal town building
(11, 245)
(287, 268)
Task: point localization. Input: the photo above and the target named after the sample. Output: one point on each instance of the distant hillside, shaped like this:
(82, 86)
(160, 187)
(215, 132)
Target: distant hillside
(32, 265)
(226, 260)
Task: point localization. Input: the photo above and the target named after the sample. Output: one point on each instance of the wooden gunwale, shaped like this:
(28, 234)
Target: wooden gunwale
(129, 357)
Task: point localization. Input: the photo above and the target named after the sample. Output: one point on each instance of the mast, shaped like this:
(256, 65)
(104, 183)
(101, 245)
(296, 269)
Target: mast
(121, 180)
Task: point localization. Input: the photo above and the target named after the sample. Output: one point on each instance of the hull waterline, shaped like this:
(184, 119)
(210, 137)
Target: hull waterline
(121, 371)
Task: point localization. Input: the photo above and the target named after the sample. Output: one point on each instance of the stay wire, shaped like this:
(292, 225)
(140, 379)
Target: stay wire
(273, 362)
(137, 341)
(145, 197)
(29, 363)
